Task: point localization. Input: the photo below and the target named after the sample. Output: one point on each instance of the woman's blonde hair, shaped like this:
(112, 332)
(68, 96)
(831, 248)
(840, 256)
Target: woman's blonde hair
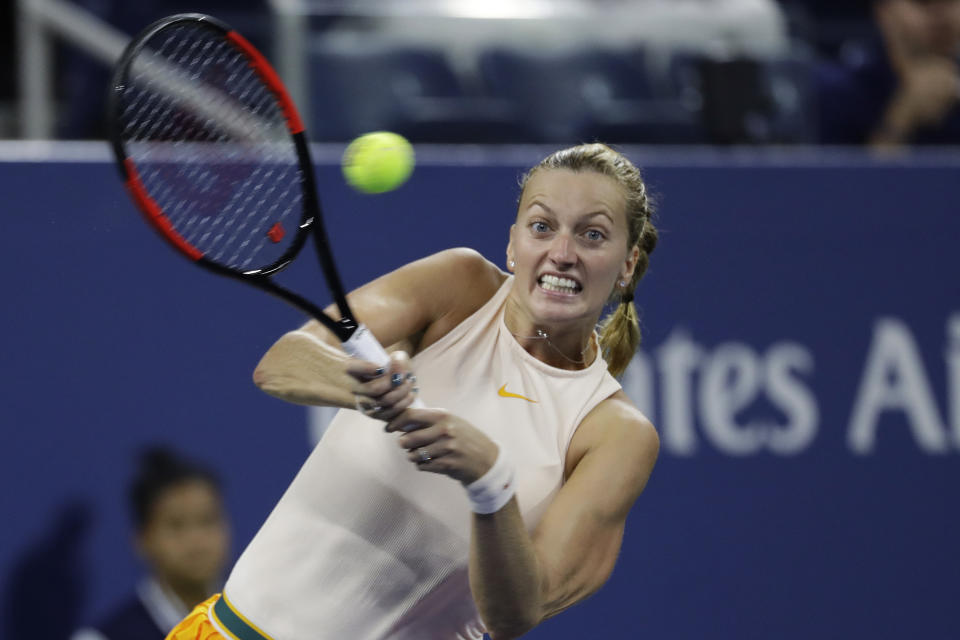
(620, 330)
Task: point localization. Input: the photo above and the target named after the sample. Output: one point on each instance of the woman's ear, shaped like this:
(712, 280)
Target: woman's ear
(630, 264)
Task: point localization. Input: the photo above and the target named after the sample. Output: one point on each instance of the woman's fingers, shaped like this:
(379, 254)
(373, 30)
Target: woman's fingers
(415, 419)
(423, 437)
(427, 444)
(363, 371)
(439, 442)
(388, 406)
(384, 392)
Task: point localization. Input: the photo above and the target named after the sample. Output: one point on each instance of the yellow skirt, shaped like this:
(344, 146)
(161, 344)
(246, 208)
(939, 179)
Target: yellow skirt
(216, 619)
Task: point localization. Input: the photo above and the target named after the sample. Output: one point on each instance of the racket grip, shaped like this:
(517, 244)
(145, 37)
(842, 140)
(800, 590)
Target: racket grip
(362, 344)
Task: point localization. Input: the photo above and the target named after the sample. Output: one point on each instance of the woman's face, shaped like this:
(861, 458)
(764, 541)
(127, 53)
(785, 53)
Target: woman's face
(186, 538)
(569, 244)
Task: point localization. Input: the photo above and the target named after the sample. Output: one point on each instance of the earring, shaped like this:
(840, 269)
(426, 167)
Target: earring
(623, 284)
(512, 264)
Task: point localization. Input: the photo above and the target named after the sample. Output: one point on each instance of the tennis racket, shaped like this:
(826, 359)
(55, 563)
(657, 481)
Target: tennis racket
(214, 154)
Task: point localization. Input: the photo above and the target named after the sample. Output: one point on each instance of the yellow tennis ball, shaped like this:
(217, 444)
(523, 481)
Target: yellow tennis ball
(377, 162)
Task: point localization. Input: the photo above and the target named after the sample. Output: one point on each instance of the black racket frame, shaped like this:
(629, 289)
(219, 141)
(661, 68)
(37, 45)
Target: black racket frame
(311, 222)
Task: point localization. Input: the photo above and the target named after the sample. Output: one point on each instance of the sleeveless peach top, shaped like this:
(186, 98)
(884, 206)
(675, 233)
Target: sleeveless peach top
(363, 545)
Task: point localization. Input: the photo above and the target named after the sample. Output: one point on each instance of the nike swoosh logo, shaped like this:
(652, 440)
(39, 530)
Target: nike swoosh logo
(503, 393)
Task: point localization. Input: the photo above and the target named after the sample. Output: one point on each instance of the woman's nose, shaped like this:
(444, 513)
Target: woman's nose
(562, 249)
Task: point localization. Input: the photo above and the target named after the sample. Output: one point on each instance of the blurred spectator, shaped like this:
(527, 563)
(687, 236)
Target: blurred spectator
(181, 532)
(903, 85)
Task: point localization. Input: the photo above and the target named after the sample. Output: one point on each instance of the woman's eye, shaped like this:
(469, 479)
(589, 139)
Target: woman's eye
(540, 227)
(595, 235)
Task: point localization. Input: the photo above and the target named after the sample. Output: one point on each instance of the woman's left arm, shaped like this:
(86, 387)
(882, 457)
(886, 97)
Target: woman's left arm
(519, 579)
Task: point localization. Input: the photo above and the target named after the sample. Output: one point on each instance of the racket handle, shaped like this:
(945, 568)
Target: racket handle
(362, 344)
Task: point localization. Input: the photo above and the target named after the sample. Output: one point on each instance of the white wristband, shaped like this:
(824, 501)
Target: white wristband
(489, 493)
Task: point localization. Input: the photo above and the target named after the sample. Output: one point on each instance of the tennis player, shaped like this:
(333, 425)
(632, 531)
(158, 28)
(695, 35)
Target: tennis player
(503, 501)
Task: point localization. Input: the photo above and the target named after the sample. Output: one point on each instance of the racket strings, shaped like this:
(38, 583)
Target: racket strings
(211, 147)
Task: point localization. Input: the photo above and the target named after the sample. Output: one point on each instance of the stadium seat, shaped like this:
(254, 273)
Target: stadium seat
(748, 101)
(586, 94)
(790, 83)
(413, 91)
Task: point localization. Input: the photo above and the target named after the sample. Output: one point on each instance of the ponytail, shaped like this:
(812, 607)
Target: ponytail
(620, 331)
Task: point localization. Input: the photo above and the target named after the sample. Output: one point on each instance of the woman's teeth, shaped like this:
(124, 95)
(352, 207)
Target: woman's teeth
(560, 285)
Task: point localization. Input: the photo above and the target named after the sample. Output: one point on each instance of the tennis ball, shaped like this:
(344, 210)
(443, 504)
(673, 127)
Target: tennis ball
(377, 162)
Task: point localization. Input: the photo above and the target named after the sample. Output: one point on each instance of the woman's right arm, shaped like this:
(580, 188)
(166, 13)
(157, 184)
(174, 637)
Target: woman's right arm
(409, 308)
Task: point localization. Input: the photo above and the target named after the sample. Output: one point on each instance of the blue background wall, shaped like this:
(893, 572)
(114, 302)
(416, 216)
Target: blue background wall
(801, 360)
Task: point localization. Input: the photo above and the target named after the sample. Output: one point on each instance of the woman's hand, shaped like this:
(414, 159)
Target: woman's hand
(436, 440)
(440, 442)
(383, 392)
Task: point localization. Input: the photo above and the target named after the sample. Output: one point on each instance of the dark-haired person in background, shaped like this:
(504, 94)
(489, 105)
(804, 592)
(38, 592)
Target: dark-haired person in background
(901, 88)
(182, 534)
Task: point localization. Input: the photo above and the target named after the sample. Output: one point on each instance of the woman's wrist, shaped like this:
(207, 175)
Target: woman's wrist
(489, 493)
